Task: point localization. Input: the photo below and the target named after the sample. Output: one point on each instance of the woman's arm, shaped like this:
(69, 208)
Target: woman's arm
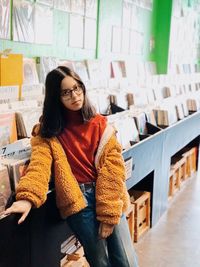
(34, 185)
(110, 185)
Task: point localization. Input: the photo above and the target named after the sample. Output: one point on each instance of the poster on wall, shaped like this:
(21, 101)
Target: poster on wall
(137, 43)
(63, 5)
(81, 69)
(30, 75)
(177, 8)
(43, 24)
(76, 33)
(5, 19)
(125, 40)
(126, 14)
(91, 8)
(45, 2)
(78, 7)
(147, 4)
(90, 34)
(23, 21)
(116, 39)
(135, 18)
(46, 64)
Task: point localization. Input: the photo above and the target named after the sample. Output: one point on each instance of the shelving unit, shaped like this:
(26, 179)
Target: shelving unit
(37, 241)
(152, 158)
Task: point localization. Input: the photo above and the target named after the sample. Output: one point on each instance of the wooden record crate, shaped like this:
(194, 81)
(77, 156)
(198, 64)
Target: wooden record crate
(191, 159)
(174, 180)
(182, 169)
(141, 202)
(178, 174)
(171, 183)
(131, 220)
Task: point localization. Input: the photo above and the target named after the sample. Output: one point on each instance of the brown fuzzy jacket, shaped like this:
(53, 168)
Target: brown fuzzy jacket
(111, 194)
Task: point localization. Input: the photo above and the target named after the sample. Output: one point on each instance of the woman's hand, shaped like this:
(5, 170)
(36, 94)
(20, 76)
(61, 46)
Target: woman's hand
(20, 206)
(105, 230)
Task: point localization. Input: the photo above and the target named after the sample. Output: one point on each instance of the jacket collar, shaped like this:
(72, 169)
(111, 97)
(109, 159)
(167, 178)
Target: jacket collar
(108, 132)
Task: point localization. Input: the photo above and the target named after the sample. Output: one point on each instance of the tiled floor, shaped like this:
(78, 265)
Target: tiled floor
(175, 240)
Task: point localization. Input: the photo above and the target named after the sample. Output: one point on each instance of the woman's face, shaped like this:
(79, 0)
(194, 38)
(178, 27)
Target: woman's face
(71, 94)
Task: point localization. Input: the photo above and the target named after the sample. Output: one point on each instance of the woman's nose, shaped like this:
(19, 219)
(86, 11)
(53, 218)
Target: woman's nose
(73, 94)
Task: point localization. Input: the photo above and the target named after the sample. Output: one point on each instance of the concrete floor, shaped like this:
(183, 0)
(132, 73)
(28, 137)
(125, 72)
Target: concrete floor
(175, 240)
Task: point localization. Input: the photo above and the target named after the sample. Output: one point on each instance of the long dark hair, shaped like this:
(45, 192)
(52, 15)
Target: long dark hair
(52, 120)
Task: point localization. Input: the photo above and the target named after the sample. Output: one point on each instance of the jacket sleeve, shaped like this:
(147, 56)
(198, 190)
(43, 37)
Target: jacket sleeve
(34, 185)
(110, 185)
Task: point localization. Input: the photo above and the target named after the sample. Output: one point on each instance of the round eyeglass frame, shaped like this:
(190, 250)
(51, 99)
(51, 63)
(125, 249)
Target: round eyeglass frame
(67, 93)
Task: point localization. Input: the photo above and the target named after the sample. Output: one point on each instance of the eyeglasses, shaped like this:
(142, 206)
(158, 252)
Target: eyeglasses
(67, 93)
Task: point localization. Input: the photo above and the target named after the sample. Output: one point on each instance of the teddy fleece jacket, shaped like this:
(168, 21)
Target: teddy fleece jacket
(111, 194)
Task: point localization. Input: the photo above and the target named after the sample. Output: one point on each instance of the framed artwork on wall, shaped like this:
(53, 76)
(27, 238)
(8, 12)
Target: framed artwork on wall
(90, 33)
(76, 33)
(43, 25)
(116, 39)
(125, 41)
(45, 2)
(91, 8)
(78, 7)
(5, 19)
(63, 5)
(23, 21)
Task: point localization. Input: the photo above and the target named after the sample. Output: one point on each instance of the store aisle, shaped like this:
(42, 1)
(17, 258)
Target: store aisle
(175, 240)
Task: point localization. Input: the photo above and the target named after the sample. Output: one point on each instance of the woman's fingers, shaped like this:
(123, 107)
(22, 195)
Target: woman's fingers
(23, 217)
(100, 229)
(13, 209)
(105, 230)
(21, 206)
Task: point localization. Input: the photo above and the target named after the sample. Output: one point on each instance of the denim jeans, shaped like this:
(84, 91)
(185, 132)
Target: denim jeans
(115, 251)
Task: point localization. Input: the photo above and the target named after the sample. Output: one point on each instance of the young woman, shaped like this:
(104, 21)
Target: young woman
(88, 169)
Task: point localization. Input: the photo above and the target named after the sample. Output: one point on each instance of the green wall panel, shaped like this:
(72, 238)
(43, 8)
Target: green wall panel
(161, 22)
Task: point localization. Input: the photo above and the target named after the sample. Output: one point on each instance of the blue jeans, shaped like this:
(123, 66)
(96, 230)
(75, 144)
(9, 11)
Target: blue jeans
(115, 251)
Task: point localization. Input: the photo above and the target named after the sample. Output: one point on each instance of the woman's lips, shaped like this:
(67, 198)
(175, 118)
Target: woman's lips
(76, 102)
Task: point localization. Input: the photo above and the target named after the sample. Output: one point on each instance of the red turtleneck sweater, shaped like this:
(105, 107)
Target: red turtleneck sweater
(80, 142)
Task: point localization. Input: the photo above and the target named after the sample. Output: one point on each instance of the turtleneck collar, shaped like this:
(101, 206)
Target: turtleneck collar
(73, 117)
